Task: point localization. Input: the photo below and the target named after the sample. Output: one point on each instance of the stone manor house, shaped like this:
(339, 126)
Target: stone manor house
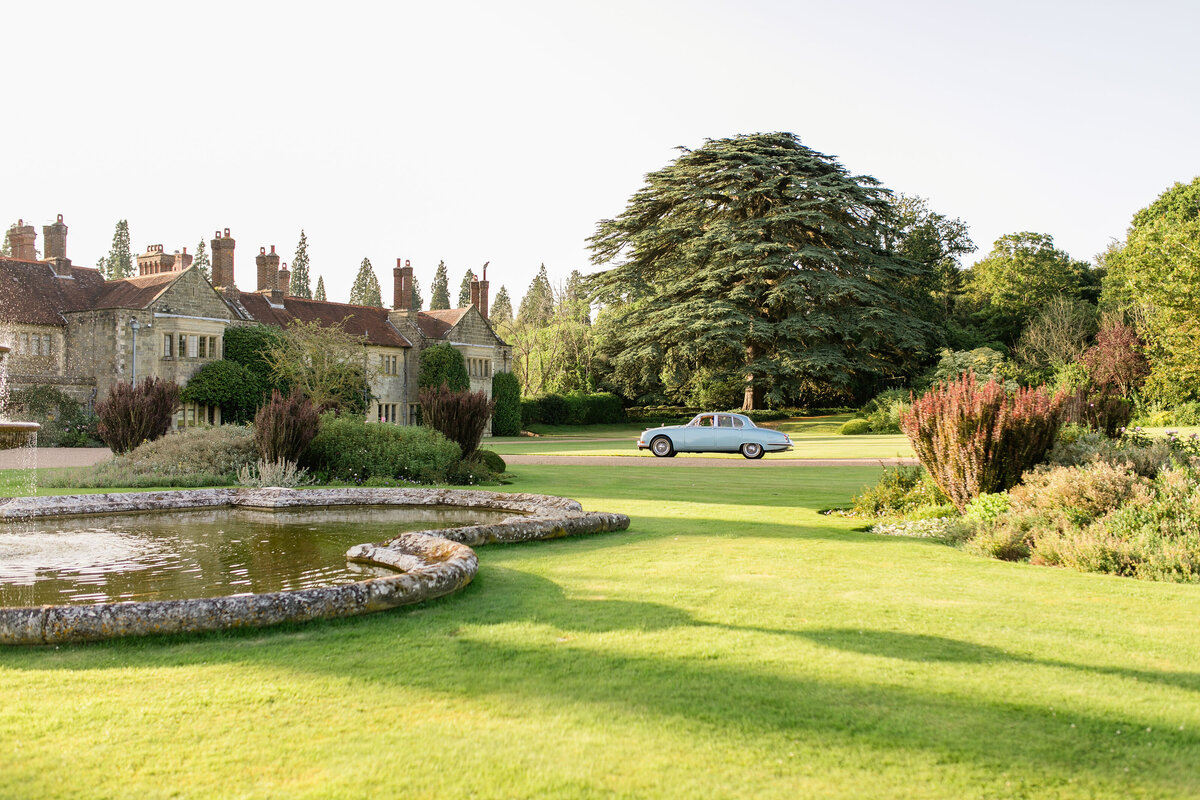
(71, 329)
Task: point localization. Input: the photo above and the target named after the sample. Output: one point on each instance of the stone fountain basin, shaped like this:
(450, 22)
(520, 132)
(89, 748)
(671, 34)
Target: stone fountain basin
(427, 564)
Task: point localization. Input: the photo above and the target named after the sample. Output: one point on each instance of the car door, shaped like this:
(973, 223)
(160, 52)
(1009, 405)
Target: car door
(726, 438)
(702, 435)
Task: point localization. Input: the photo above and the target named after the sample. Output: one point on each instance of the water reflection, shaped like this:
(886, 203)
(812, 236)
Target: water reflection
(206, 553)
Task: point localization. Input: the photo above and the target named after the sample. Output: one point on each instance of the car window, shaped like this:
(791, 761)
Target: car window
(724, 421)
(695, 421)
(737, 422)
(706, 422)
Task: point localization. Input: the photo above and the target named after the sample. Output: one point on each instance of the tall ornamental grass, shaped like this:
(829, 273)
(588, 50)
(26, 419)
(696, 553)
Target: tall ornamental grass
(284, 426)
(459, 416)
(974, 439)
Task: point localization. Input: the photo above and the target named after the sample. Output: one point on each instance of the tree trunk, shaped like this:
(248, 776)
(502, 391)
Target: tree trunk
(754, 394)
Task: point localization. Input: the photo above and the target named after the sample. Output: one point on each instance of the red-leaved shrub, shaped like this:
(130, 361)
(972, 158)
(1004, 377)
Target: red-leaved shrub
(1100, 411)
(459, 416)
(284, 426)
(133, 414)
(974, 439)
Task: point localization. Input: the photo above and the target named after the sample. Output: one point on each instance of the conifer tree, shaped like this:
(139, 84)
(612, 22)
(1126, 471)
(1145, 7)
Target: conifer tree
(575, 301)
(417, 301)
(119, 263)
(765, 262)
(440, 298)
(201, 261)
(320, 293)
(501, 312)
(365, 291)
(464, 290)
(6, 248)
(300, 285)
(537, 306)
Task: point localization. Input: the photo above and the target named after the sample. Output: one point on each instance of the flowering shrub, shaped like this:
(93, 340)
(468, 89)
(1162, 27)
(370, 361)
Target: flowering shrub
(974, 439)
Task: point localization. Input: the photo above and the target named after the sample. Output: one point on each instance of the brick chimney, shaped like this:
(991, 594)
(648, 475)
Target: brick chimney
(222, 261)
(154, 261)
(402, 286)
(55, 239)
(268, 269)
(483, 292)
(284, 280)
(23, 239)
(182, 261)
(475, 291)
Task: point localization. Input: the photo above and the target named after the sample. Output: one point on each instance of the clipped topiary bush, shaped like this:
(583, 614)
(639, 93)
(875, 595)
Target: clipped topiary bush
(506, 391)
(554, 409)
(459, 416)
(131, 414)
(284, 426)
(855, 427)
(491, 460)
(974, 439)
(347, 448)
(229, 385)
(443, 364)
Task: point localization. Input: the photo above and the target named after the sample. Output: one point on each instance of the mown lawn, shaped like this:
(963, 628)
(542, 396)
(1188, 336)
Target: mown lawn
(733, 643)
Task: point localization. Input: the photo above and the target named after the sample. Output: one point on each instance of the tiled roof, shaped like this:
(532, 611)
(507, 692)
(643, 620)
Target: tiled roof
(136, 292)
(436, 324)
(357, 320)
(31, 294)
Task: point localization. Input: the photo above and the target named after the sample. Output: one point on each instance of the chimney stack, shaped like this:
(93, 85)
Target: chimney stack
(268, 269)
(284, 281)
(23, 239)
(475, 291)
(154, 261)
(483, 292)
(55, 238)
(182, 261)
(402, 286)
(222, 261)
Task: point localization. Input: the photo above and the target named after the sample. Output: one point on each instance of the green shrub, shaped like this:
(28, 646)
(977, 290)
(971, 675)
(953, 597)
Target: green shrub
(492, 460)
(284, 426)
(987, 507)
(1099, 411)
(64, 421)
(855, 427)
(131, 414)
(469, 472)
(553, 409)
(247, 345)
(531, 412)
(194, 457)
(347, 448)
(1007, 542)
(443, 363)
(974, 439)
(1187, 413)
(593, 409)
(900, 490)
(506, 391)
(230, 386)
(883, 411)
(459, 416)
(768, 414)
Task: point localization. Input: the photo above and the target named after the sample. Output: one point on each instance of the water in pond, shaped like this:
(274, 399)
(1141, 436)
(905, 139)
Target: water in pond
(208, 553)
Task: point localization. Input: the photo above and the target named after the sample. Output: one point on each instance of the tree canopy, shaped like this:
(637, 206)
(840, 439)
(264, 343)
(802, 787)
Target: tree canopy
(319, 294)
(501, 312)
(439, 298)
(1154, 275)
(464, 290)
(443, 364)
(365, 291)
(300, 284)
(119, 262)
(325, 361)
(758, 257)
(537, 306)
(201, 261)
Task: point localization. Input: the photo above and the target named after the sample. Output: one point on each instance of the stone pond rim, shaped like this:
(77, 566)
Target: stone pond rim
(428, 564)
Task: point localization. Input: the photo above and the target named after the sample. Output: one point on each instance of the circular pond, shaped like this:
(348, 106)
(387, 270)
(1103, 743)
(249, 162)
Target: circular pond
(203, 553)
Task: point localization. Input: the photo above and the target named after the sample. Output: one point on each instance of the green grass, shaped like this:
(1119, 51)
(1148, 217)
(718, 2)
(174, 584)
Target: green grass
(733, 643)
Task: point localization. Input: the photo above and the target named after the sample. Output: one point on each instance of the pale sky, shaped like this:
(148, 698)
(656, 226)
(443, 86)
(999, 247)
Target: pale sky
(503, 132)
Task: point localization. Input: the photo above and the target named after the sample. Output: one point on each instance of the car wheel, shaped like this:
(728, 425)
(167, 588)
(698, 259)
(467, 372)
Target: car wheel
(752, 450)
(661, 446)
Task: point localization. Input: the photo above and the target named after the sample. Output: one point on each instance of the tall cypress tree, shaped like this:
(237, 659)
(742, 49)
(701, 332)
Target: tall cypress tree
(6, 248)
(501, 311)
(119, 263)
(300, 285)
(201, 261)
(320, 293)
(464, 290)
(537, 306)
(365, 291)
(441, 289)
(416, 301)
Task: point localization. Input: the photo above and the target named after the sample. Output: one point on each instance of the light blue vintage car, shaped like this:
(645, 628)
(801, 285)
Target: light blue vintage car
(714, 433)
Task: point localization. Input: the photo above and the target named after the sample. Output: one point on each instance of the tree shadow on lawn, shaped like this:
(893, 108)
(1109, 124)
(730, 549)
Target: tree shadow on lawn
(464, 646)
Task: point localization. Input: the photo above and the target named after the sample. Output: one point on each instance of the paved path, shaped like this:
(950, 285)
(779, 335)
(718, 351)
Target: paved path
(57, 457)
